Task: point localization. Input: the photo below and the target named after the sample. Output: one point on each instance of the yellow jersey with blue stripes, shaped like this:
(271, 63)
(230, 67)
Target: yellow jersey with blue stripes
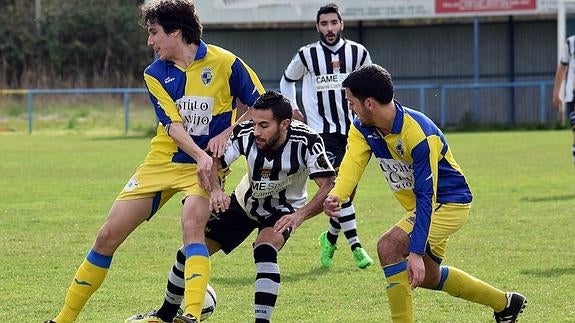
(417, 163)
(201, 96)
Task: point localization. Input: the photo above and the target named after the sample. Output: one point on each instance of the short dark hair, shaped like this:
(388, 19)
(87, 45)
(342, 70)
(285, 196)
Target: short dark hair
(370, 81)
(173, 15)
(328, 8)
(279, 104)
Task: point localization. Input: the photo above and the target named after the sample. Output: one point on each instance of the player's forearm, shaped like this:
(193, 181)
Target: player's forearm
(315, 205)
(352, 166)
(184, 141)
(559, 76)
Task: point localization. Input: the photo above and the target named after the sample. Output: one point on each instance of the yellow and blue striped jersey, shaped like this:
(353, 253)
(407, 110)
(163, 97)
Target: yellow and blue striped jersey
(417, 163)
(200, 96)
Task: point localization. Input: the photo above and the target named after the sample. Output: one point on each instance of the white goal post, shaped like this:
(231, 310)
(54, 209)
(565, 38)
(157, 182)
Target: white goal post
(563, 8)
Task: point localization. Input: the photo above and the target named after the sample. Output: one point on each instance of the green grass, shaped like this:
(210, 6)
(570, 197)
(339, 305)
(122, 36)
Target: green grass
(94, 114)
(55, 192)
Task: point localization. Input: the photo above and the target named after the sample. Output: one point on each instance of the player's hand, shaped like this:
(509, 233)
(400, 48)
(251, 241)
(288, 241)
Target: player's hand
(219, 201)
(288, 222)
(415, 269)
(332, 206)
(204, 164)
(218, 144)
(557, 103)
(297, 115)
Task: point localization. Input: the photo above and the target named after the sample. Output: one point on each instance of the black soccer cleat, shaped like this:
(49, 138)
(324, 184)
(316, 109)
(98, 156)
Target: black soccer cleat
(188, 318)
(515, 305)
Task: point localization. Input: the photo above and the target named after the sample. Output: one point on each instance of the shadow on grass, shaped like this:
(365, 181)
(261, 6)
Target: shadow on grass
(549, 198)
(285, 277)
(551, 272)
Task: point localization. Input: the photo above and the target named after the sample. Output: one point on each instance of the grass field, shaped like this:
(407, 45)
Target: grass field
(55, 191)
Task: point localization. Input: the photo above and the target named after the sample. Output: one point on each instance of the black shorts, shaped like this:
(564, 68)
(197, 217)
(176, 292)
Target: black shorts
(232, 227)
(335, 144)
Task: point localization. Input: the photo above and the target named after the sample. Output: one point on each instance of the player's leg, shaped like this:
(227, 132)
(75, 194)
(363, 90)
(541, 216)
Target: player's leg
(268, 280)
(197, 267)
(570, 110)
(123, 218)
(335, 147)
(392, 250)
(224, 232)
(448, 219)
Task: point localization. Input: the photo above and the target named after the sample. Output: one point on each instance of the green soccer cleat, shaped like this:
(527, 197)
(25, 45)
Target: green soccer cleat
(327, 250)
(149, 317)
(362, 259)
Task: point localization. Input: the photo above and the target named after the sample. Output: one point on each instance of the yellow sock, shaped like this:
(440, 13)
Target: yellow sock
(399, 293)
(197, 274)
(88, 278)
(460, 284)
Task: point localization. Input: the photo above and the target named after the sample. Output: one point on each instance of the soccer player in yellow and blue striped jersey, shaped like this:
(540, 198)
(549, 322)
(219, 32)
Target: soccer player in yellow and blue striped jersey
(193, 88)
(426, 180)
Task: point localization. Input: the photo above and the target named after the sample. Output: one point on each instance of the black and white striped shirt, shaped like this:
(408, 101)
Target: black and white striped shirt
(323, 68)
(277, 179)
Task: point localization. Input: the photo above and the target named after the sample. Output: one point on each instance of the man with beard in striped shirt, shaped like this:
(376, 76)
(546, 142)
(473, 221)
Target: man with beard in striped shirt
(323, 65)
(281, 154)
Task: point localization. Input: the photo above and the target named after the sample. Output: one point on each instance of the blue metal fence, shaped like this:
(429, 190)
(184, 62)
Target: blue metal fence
(423, 91)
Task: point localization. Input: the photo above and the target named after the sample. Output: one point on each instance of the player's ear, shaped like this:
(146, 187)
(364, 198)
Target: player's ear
(369, 103)
(284, 124)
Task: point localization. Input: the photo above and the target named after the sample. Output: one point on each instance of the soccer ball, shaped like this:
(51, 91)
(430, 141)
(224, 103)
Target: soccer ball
(210, 302)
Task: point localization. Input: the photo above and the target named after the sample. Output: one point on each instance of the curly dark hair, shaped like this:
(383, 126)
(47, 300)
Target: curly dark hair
(173, 15)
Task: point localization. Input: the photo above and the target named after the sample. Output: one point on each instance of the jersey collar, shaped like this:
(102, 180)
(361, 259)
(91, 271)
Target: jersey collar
(202, 50)
(398, 120)
(335, 47)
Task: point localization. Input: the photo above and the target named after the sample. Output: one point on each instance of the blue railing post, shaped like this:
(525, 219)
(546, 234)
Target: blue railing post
(422, 99)
(442, 105)
(542, 103)
(126, 111)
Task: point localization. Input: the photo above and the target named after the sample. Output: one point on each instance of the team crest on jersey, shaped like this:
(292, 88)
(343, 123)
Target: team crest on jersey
(207, 76)
(265, 172)
(322, 161)
(399, 148)
(336, 65)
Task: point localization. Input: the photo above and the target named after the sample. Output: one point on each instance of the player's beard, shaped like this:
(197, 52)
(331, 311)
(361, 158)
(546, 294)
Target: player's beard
(270, 144)
(324, 39)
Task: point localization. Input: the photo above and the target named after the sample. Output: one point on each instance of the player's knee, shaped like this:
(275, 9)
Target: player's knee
(572, 119)
(384, 251)
(106, 241)
(392, 247)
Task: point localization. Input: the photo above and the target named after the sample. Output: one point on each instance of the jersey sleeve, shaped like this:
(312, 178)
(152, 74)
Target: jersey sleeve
(367, 58)
(244, 83)
(353, 164)
(317, 161)
(295, 69)
(425, 173)
(164, 107)
(565, 57)
(237, 144)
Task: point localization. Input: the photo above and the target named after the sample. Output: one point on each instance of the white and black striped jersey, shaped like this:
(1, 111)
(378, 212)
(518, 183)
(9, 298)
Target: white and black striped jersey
(277, 179)
(568, 58)
(323, 69)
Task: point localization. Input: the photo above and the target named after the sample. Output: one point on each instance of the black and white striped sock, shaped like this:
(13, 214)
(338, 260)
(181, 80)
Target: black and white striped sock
(267, 282)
